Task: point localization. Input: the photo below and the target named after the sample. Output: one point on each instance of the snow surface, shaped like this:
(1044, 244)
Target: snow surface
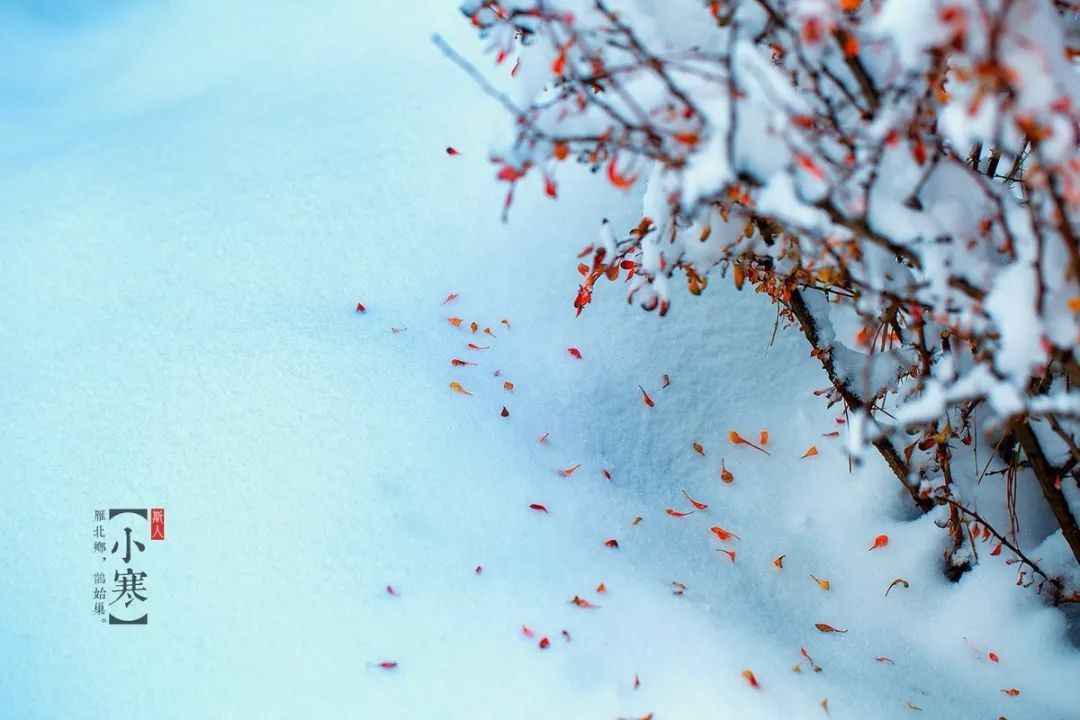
(195, 198)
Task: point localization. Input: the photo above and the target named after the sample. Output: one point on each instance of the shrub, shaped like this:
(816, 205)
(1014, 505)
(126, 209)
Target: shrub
(900, 177)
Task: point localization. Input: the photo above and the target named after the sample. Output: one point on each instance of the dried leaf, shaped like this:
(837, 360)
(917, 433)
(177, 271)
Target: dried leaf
(823, 627)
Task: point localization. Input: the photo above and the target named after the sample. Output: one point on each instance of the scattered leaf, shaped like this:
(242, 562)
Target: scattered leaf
(574, 353)
(737, 439)
(722, 534)
(879, 542)
(698, 449)
(822, 582)
(612, 543)
(725, 474)
(894, 583)
(567, 472)
(823, 627)
(456, 387)
(539, 507)
(810, 453)
(749, 675)
(645, 397)
(676, 514)
(779, 561)
(696, 503)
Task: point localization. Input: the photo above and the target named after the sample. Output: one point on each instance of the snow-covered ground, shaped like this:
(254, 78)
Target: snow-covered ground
(195, 199)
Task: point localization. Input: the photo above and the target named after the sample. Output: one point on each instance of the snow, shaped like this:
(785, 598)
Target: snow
(197, 198)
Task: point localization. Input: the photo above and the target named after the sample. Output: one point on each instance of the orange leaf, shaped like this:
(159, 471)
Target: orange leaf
(623, 182)
(725, 474)
(700, 451)
(779, 561)
(456, 387)
(750, 678)
(567, 472)
(812, 168)
(810, 453)
(675, 513)
(722, 534)
(739, 440)
(879, 542)
(1011, 692)
(763, 438)
(645, 397)
(918, 151)
(828, 628)
(559, 64)
(455, 321)
(561, 150)
(729, 553)
(697, 504)
(822, 582)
